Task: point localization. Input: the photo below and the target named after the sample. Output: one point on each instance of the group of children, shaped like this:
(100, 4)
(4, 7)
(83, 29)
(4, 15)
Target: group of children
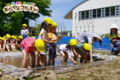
(10, 42)
(46, 42)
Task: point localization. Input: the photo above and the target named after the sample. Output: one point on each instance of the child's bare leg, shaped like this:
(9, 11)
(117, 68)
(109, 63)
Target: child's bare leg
(45, 60)
(53, 61)
(66, 57)
(4, 47)
(85, 58)
(25, 59)
(33, 58)
(39, 62)
(12, 47)
(63, 56)
(81, 58)
(8, 48)
(49, 61)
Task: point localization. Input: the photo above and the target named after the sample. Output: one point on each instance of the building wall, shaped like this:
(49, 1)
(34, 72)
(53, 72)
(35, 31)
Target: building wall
(96, 24)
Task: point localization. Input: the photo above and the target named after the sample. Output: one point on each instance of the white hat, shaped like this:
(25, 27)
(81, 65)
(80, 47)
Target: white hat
(114, 26)
(97, 36)
(101, 34)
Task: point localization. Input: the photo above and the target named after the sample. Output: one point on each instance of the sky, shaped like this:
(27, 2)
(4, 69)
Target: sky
(59, 9)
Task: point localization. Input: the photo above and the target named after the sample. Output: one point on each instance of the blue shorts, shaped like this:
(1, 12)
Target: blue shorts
(24, 36)
(52, 50)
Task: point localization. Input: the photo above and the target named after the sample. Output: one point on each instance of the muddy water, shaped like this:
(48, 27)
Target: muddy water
(17, 61)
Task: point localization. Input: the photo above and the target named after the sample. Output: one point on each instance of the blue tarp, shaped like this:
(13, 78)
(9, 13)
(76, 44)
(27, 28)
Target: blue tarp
(104, 46)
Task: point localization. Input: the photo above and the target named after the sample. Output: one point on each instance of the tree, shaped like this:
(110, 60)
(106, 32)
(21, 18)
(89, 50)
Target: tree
(11, 22)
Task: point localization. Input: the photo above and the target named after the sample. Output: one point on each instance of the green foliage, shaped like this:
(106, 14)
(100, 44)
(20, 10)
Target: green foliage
(11, 22)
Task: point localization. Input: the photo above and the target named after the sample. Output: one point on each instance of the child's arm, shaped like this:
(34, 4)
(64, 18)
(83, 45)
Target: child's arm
(43, 36)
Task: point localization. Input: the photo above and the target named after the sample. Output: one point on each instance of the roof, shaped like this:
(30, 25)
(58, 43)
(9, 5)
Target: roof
(69, 14)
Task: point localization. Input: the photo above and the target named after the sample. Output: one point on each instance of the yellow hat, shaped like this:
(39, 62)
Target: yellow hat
(14, 37)
(20, 37)
(48, 20)
(7, 36)
(86, 46)
(24, 25)
(54, 24)
(39, 44)
(1, 38)
(33, 36)
(73, 42)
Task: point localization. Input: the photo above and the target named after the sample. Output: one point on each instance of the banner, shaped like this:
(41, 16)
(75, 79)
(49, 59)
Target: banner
(20, 6)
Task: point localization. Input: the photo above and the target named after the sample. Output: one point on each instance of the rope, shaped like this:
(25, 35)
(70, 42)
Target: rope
(44, 67)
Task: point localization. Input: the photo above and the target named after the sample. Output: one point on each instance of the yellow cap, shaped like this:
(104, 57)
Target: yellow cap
(39, 44)
(33, 36)
(24, 25)
(54, 24)
(20, 37)
(73, 42)
(1, 38)
(48, 20)
(7, 36)
(14, 37)
(86, 46)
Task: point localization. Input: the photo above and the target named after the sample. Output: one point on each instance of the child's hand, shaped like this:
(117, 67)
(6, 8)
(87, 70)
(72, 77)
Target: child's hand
(0, 74)
(75, 63)
(53, 42)
(60, 37)
(29, 67)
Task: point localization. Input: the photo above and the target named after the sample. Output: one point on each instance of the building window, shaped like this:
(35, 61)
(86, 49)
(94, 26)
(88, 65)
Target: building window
(90, 14)
(87, 14)
(103, 12)
(80, 15)
(112, 11)
(98, 13)
(83, 15)
(94, 13)
(107, 12)
(117, 10)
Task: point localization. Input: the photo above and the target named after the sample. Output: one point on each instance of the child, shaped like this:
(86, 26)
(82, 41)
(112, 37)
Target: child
(13, 43)
(24, 32)
(7, 44)
(43, 35)
(19, 40)
(89, 37)
(83, 50)
(1, 43)
(66, 50)
(29, 46)
(114, 37)
(52, 47)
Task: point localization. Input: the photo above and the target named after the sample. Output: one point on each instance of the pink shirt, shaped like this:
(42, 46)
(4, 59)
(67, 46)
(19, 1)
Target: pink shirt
(27, 44)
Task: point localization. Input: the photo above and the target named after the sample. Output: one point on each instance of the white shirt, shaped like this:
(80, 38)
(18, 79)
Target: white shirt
(24, 32)
(63, 48)
(41, 32)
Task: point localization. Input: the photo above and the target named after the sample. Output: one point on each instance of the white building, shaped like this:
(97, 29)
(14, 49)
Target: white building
(94, 16)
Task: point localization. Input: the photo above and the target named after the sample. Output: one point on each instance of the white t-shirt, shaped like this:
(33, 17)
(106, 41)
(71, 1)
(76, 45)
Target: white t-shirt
(24, 32)
(63, 48)
(41, 32)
